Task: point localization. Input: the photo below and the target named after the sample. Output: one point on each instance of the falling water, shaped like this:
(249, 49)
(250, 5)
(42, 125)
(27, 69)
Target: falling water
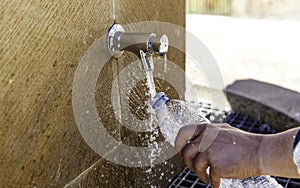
(165, 63)
(152, 143)
(150, 83)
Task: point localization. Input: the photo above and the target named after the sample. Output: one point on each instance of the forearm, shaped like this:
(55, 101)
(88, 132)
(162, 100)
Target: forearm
(276, 154)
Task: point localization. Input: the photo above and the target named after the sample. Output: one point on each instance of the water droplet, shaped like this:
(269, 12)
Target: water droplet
(149, 170)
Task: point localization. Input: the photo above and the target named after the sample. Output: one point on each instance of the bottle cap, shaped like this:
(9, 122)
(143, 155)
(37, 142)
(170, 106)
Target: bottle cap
(159, 99)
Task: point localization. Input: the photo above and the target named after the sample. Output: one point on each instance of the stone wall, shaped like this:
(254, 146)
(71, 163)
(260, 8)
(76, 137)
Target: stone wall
(42, 43)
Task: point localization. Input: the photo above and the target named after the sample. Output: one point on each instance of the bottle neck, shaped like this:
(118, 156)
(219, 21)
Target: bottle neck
(158, 100)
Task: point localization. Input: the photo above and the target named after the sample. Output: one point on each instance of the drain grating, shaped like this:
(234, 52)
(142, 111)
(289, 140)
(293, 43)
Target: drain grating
(186, 178)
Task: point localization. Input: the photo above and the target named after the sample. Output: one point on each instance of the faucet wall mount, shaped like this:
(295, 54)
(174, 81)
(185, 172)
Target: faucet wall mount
(119, 41)
(112, 44)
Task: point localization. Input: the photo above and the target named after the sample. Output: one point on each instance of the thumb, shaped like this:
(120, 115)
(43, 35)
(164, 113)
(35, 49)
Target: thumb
(215, 178)
(188, 133)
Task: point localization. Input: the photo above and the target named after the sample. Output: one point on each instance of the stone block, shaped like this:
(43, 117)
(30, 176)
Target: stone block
(274, 105)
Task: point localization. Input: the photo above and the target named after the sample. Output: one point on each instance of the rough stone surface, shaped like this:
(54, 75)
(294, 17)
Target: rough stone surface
(41, 45)
(267, 103)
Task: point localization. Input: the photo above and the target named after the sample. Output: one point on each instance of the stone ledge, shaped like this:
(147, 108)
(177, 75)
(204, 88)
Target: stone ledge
(265, 102)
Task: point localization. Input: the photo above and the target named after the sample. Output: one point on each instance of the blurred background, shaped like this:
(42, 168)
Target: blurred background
(256, 39)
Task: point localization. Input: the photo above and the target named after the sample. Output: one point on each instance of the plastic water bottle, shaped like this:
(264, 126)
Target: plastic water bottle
(173, 114)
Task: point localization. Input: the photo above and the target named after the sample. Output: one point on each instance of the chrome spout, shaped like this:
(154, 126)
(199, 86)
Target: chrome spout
(119, 41)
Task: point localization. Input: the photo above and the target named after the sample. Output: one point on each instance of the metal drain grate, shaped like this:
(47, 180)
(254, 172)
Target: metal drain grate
(186, 178)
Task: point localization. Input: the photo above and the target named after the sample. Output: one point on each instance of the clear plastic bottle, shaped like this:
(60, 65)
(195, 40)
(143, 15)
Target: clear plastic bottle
(173, 114)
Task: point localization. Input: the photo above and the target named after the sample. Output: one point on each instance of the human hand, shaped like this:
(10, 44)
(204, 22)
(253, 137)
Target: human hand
(227, 151)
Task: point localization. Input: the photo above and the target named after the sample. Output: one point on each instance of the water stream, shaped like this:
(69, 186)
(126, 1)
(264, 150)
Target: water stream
(152, 143)
(150, 83)
(165, 65)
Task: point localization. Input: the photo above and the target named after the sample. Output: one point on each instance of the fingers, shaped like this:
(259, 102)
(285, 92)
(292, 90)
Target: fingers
(190, 152)
(187, 133)
(201, 165)
(215, 178)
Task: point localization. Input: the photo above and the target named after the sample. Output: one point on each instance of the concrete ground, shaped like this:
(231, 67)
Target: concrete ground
(262, 49)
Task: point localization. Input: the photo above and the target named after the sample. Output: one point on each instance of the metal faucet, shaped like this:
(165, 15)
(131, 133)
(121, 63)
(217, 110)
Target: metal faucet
(143, 45)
